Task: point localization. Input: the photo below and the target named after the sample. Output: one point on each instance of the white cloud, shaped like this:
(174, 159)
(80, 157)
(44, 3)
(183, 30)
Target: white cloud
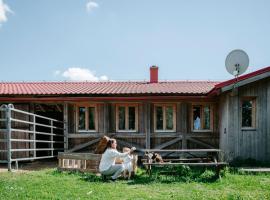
(103, 78)
(4, 9)
(91, 5)
(81, 74)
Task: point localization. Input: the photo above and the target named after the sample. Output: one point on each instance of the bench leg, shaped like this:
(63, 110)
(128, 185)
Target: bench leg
(218, 171)
(149, 170)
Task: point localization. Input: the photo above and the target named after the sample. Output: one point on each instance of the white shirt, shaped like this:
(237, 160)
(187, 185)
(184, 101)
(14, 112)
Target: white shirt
(108, 158)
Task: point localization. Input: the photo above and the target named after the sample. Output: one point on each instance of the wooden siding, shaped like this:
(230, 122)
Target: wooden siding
(246, 143)
(182, 138)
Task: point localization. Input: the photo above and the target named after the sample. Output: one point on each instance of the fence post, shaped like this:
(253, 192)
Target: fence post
(8, 116)
(51, 138)
(34, 136)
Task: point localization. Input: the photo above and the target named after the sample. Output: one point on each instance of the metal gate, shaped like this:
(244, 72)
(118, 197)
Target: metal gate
(52, 136)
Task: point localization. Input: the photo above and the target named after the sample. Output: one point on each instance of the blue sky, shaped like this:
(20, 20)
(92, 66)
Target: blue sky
(120, 39)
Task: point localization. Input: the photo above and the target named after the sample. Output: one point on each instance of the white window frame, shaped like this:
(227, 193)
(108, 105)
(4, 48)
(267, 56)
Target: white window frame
(253, 113)
(86, 106)
(164, 105)
(202, 105)
(126, 106)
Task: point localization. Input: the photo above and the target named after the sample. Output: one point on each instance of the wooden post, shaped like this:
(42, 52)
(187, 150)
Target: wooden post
(185, 122)
(106, 118)
(65, 126)
(148, 125)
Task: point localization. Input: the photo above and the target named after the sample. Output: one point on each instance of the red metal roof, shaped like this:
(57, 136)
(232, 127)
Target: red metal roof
(107, 88)
(120, 88)
(243, 77)
(240, 78)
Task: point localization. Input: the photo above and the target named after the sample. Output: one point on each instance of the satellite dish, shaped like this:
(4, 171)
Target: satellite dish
(237, 62)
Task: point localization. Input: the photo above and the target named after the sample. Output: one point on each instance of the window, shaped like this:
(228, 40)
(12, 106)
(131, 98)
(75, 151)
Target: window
(165, 117)
(248, 113)
(87, 118)
(201, 117)
(126, 117)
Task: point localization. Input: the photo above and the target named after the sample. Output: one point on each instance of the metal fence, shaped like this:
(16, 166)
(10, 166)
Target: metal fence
(40, 130)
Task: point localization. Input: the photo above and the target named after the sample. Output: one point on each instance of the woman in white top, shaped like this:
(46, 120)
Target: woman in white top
(107, 164)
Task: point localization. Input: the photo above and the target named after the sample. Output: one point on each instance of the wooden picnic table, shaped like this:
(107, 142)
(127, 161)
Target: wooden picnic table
(213, 161)
(182, 150)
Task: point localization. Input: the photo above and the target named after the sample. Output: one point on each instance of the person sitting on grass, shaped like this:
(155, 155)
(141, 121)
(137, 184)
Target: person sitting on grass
(107, 166)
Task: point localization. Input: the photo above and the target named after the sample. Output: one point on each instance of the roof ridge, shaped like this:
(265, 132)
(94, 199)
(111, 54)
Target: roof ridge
(97, 82)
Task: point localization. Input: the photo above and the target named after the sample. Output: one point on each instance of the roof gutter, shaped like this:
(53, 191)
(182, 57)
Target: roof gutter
(81, 99)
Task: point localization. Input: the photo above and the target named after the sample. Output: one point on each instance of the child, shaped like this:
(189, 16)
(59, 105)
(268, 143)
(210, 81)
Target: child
(128, 163)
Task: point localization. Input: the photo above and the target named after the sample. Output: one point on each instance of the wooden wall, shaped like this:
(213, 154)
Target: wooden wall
(106, 124)
(242, 143)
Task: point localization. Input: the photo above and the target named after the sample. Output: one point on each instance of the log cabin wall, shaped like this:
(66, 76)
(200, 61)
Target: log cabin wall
(182, 137)
(240, 142)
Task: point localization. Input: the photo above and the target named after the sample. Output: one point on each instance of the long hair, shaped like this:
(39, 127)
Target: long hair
(110, 142)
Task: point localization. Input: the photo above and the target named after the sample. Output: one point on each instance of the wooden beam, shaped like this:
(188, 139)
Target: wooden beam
(58, 108)
(84, 135)
(183, 150)
(65, 117)
(106, 118)
(41, 107)
(161, 146)
(59, 98)
(165, 134)
(213, 135)
(148, 125)
(81, 146)
(114, 135)
(191, 164)
(200, 143)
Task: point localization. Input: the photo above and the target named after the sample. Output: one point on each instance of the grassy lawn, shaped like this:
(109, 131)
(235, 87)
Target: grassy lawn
(52, 184)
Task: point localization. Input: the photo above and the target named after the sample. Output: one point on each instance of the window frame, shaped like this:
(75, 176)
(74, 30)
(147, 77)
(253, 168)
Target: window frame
(87, 105)
(253, 113)
(126, 106)
(164, 105)
(202, 105)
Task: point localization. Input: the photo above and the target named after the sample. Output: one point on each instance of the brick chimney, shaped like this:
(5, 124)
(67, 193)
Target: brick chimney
(153, 74)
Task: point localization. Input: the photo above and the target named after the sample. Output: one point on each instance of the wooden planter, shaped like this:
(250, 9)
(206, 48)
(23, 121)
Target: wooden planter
(84, 162)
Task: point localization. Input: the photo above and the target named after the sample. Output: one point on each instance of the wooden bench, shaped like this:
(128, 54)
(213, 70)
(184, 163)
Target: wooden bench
(212, 158)
(84, 162)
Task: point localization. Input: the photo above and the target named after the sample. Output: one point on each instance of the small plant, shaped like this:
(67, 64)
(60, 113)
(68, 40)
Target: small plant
(207, 176)
(225, 171)
(91, 177)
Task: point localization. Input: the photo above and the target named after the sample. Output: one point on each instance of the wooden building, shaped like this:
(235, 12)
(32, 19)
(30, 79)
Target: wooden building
(156, 114)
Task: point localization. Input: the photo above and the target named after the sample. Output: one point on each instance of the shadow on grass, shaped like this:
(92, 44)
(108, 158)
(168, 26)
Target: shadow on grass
(249, 162)
(165, 175)
(177, 174)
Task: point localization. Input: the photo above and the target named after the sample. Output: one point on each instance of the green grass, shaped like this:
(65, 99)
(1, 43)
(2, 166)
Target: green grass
(190, 184)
